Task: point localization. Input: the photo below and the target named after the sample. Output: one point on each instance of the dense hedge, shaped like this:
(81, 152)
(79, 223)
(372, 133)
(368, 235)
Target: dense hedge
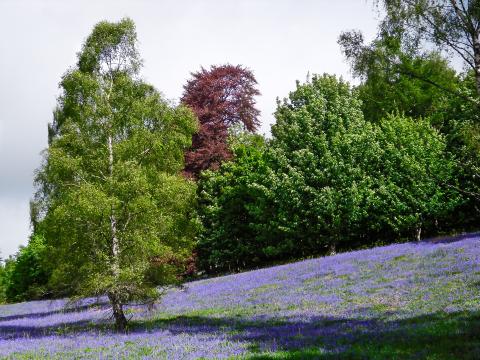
(327, 179)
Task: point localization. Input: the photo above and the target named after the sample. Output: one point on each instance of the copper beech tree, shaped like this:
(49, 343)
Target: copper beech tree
(221, 97)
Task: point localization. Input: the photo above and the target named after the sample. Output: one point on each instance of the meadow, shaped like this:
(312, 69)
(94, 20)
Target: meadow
(403, 301)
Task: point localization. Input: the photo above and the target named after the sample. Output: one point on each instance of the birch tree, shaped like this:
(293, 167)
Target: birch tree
(109, 190)
(452, 25)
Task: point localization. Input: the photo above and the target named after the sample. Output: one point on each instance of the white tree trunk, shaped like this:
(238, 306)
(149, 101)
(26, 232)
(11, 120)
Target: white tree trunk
(332, 249)
(113, 220)
(476, 57)
(418, 233)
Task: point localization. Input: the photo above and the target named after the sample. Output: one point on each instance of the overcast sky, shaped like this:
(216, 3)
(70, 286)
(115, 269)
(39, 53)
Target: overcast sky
(279, 40)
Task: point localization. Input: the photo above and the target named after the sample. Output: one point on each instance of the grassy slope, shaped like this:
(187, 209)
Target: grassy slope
(396, 302)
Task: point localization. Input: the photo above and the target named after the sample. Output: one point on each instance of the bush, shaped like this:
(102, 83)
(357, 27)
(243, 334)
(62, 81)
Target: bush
(230, 207)
(26, 273)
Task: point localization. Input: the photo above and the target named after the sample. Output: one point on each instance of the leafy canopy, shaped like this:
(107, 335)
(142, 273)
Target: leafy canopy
(231, 207)
(328, 179)
(26, 274)
(395, 80)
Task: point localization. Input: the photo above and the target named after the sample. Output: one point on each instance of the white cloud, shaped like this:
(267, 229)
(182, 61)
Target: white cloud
(14, 230)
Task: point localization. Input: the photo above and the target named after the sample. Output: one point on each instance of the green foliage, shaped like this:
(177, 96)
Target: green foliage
(26, 274)
(400, 76)
(347, 179)
(230, 207)
(328, 179)
(407, 91)
(321, 148)
(2, 283)
(413, 176)
(111, 44)
(451, 26)
(464, 143)
(397, 80)
(109, 188)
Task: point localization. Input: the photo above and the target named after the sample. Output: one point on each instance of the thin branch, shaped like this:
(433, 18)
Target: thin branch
(441, 87)
(475, 195)
(458, 49)
(461, 15)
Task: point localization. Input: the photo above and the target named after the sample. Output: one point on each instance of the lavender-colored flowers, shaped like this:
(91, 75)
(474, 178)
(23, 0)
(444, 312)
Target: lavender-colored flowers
(329, 304)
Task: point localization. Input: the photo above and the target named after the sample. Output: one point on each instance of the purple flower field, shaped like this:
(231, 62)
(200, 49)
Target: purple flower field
(413, 300)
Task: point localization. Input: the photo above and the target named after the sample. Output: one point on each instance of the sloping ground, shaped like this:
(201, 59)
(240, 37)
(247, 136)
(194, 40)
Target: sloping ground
(414, 300)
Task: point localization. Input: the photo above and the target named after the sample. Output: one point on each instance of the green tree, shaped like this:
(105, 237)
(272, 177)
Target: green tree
(413, 176)
(231, 207)
(399, 75)
(327, 179)
(27, 272)
(464, 142)
(110, 196)
(2, 282)
(319, 147)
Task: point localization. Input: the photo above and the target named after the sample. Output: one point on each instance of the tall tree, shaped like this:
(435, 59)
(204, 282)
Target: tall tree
(221, 97)
(109, 192)
(2, 282)
(452, 25)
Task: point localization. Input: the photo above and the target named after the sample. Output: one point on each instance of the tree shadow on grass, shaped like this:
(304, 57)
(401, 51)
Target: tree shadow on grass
(62, 310)
(433, 336)
(72, 318)
(13, 332)
(445, 239)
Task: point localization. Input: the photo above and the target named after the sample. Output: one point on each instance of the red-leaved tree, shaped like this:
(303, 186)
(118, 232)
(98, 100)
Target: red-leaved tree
(220, 97)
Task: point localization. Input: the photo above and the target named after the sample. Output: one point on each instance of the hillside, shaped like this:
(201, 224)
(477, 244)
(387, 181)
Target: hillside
(413, 300)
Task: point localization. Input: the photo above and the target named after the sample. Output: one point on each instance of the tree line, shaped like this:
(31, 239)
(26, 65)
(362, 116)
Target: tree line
(136, 193)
